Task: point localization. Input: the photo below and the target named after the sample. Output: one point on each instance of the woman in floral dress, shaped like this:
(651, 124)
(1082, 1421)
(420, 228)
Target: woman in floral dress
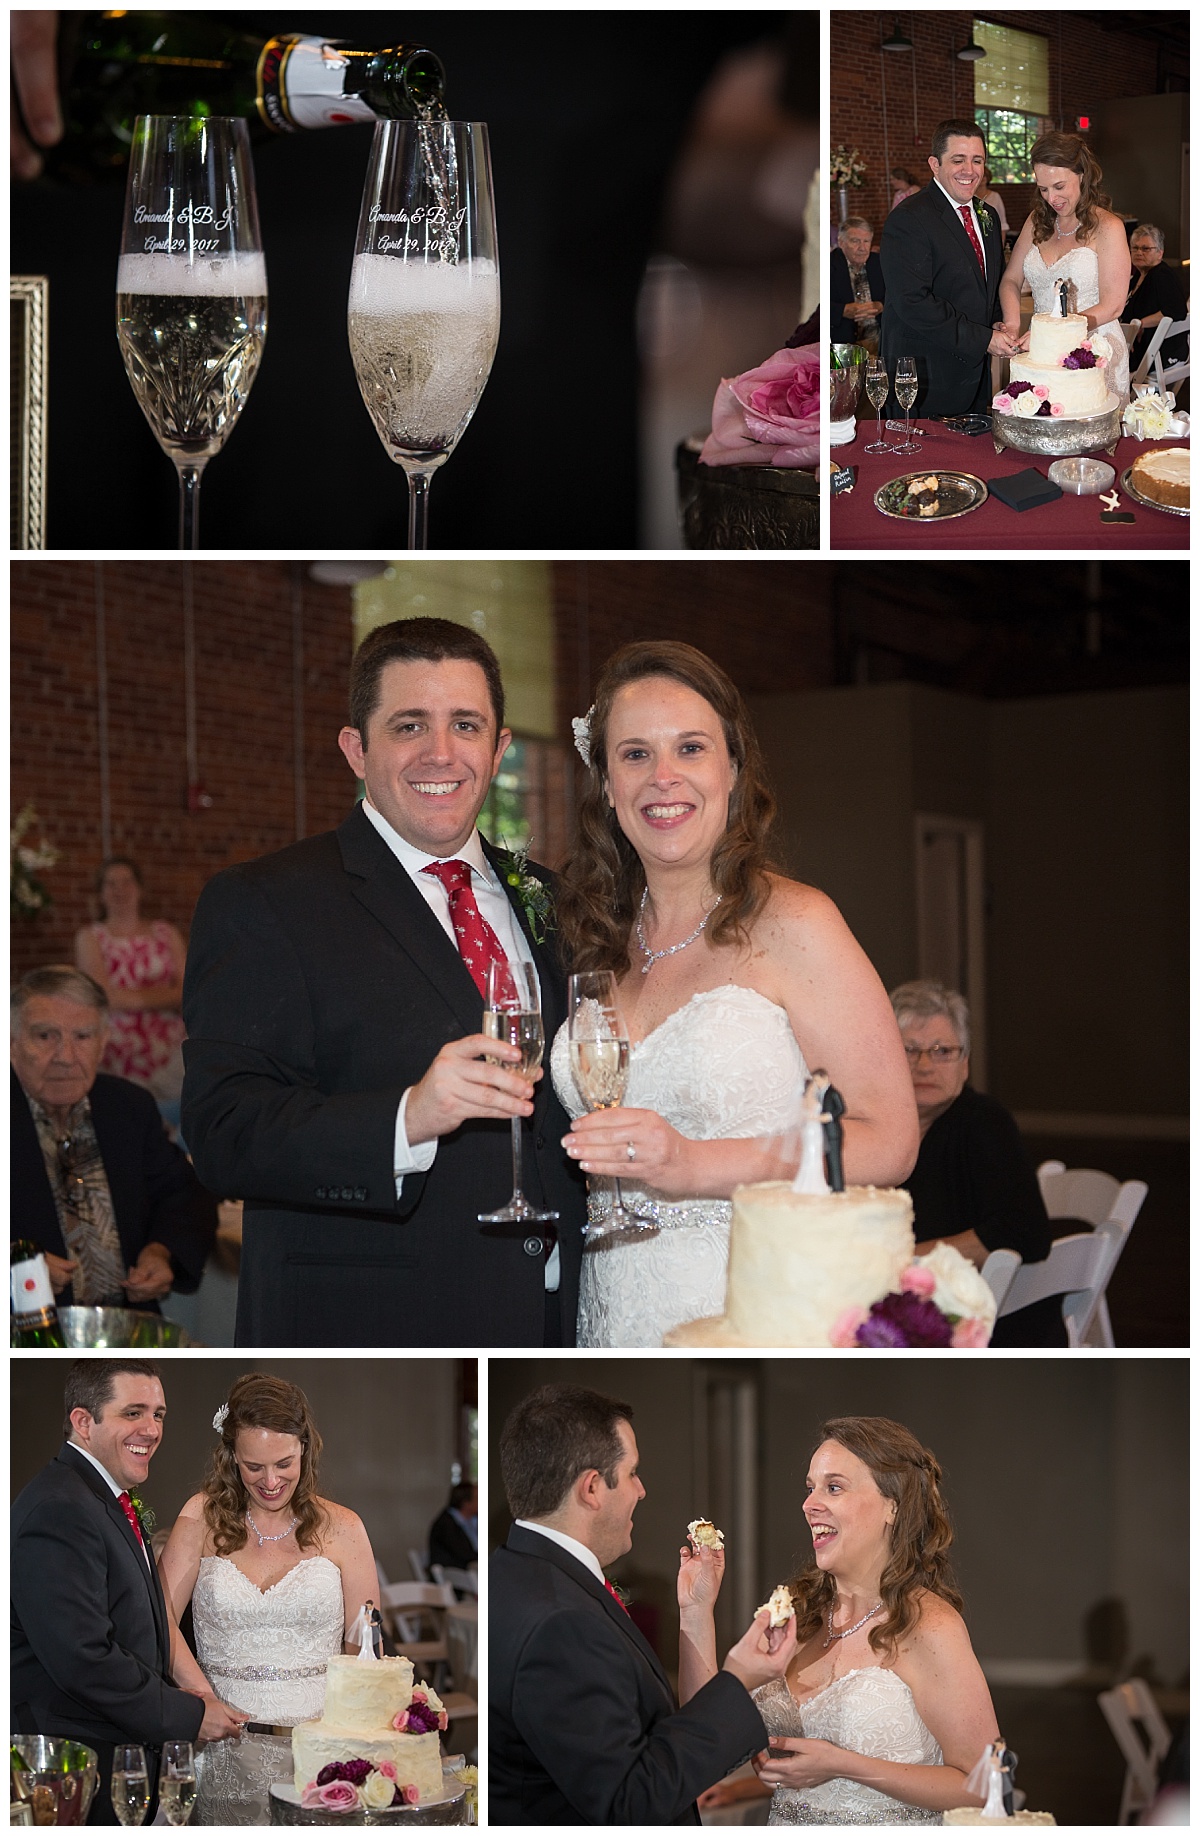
(139, 964)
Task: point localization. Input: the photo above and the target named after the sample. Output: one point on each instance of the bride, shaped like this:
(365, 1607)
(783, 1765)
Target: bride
(884, 1710)
(1071, 235)
(733, 982)
(276, 1576)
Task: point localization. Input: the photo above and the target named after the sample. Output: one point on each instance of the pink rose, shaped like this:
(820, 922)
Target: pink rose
(1056, 407)
(845, 1327)
(411, 1795)
(1086, 345)
(310, 1797)
(770, 415)
(1041, 392)
(443, 1721)
(387, 1769)
(916, 1280)
(1003, 403)
(338, 1795)
(400, 1721)
(971, 1334)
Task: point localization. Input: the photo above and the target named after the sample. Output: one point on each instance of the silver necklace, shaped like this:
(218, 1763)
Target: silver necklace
(1062, 232)
(655, 956)
(850, 1630)
(269, 1539)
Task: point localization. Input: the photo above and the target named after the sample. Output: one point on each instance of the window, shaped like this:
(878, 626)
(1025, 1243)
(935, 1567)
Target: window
(1008, 136)
(1012, 97)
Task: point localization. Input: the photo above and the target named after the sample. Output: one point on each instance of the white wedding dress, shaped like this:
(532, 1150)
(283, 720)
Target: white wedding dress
(867, 1711)
(725, 1066)
(1080, 266)
(265, 1653)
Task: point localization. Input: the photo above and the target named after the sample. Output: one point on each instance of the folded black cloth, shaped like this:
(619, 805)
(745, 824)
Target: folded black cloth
(1024, 490)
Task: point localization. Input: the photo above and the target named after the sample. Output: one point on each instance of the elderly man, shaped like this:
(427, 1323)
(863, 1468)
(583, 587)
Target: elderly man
(855, 285)
(943, 255)
(96, 1183)
(1158, 292)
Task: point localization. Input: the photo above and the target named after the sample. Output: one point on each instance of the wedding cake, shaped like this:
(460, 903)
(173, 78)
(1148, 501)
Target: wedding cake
(799, 1260)
(363, 1702)
(1064, 373)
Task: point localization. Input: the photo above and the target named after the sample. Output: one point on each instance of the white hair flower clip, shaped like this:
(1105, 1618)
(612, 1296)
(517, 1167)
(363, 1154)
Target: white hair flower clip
(581, 727)
(219, 1417)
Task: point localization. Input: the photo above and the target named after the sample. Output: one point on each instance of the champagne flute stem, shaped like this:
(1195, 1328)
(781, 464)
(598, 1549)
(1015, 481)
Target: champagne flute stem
(418, 509)
(516, 1147)
(189, 505)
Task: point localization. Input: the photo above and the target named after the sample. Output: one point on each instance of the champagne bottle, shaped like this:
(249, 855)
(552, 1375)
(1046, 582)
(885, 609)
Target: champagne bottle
(116, 66)
(34, 1314)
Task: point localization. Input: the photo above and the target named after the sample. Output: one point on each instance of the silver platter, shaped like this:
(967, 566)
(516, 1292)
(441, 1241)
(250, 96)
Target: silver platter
(964, 493)
(1167, 509)
(1057, 438)
(449, 1807)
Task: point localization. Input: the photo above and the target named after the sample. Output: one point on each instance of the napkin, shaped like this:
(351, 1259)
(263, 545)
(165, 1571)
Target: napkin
(1024, 490)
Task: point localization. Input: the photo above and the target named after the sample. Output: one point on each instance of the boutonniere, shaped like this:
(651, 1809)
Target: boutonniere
(145, 1515)
(987, 217)
(533, 895)
(622, 1593)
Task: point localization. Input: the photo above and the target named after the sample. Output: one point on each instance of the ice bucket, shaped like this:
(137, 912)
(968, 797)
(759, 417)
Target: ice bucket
(57, 1778)
(88, 1328)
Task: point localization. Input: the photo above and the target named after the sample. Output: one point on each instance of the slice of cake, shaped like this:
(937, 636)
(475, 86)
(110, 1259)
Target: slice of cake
(705, 1534)
(779, 1606)
(1165, 477)
(373, 1713)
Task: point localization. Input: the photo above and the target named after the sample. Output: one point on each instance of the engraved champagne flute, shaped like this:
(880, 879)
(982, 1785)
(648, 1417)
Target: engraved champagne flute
(130, 1789)
(906, 394)
(599, 1046)
(191, 289)
(513, 1012)
(877, 389)
(177, 1781)
(424, 312)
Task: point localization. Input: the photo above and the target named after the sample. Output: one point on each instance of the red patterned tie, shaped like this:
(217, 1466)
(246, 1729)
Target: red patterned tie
(610, 1589)
(478, 944)
(967, 215)
(126, 1504)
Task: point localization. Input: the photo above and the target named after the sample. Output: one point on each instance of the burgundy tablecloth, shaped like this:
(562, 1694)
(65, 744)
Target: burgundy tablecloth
(1068, 522)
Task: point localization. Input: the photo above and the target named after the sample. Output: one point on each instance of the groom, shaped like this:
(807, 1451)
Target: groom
(584, 1726)
(942, 256)
(91, 1642)
(335, 1072)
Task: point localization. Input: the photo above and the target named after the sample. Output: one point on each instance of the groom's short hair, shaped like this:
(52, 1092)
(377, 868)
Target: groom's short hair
(417, 640)
(551, 1437)
(959, 127)
(90, 1384)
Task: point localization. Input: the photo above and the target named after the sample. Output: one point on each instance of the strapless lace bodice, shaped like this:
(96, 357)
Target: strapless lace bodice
(867, 1711)
(1080, 266)
(724, 1067)
(265, 1653)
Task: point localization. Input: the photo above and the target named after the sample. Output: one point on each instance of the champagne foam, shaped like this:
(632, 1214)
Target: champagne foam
(213, 277)
(381, 285)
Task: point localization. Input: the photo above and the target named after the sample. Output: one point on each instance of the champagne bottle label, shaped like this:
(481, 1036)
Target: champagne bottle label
(32, 1296)
(300, 85)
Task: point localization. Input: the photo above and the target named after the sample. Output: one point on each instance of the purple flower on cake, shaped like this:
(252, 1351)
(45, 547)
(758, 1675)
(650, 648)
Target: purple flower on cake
(1082, 358)
(904, 1319)
(354, 1771)
(1019, 388)
(770, 415)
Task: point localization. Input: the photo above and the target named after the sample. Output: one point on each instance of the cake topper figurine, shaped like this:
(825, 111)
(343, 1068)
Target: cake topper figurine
(368, 1630)
(1064, 307)
(992, 1780)
(811, 1176)
(834, 1109)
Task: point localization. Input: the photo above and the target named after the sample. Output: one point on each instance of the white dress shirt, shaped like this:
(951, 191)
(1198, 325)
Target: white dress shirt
(111, 1483)
(580, 1551)
(495, 907)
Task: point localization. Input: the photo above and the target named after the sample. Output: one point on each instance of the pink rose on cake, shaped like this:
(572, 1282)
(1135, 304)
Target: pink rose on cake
(770, 415)
(338, 1795)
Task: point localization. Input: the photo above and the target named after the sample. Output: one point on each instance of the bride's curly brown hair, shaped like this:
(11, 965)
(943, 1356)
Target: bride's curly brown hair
(259, 1401)
(921, 1532)
(602, 880)
(1071, 151)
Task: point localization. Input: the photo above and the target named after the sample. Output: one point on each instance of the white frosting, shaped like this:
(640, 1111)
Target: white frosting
(1052, 338)
(1172, 466)
(365, 1697)
(977, 1818)
(361, 1701)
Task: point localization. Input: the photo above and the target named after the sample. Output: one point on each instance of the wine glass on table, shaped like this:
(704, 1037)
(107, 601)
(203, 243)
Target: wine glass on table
(905, 385)
(424, 312)
(191, 289)
(177, 1781)
(877, 390)
(513, 1012)
(130, 1784)
(599, 1047)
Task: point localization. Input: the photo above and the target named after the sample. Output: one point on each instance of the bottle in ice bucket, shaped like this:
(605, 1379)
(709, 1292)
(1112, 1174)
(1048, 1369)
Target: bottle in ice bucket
(34, 1314)
(116, 66)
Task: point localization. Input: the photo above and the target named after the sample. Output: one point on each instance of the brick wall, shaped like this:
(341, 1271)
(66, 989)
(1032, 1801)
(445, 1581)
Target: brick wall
(245, 716)
(1090, 63)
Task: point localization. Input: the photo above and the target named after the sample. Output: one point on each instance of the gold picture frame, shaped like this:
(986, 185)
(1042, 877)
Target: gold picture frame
(29, 359)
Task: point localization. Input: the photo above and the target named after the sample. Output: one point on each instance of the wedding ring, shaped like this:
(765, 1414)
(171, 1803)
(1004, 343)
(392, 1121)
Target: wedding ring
(630, 1151)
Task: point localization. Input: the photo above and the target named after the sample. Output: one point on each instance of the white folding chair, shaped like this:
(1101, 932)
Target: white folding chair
(1100, 1200)
(415, 1615)
(419, 1564)
(998, 1271)
(1143, 1752)
(1152, 356)
(464, 1580)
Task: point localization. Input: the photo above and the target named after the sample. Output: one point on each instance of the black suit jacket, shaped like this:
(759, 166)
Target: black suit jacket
(939, 308)
(841, 294)
(91, 1650)
(155, 1193)
(319, 987)
(449, 1544)
(583, 1726)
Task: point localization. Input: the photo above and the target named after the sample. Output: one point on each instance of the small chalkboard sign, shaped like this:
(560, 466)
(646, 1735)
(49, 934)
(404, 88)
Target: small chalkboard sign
(1117, 516)
(841, 478)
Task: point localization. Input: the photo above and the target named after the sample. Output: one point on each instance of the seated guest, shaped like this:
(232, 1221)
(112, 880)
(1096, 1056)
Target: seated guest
(856, 285)
(96, 1183)
(1158, 292)
(973, 1185)
(454, 1536)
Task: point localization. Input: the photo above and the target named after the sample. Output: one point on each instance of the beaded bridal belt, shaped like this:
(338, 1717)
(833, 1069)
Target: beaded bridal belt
(698, 1214)
(266, 1673)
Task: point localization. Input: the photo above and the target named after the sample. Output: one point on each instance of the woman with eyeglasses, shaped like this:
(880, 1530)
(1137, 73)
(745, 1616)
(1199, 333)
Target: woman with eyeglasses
(974, 1185)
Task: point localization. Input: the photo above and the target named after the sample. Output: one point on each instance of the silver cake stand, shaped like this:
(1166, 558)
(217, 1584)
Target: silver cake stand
(1056, 437)
(450, 1807)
